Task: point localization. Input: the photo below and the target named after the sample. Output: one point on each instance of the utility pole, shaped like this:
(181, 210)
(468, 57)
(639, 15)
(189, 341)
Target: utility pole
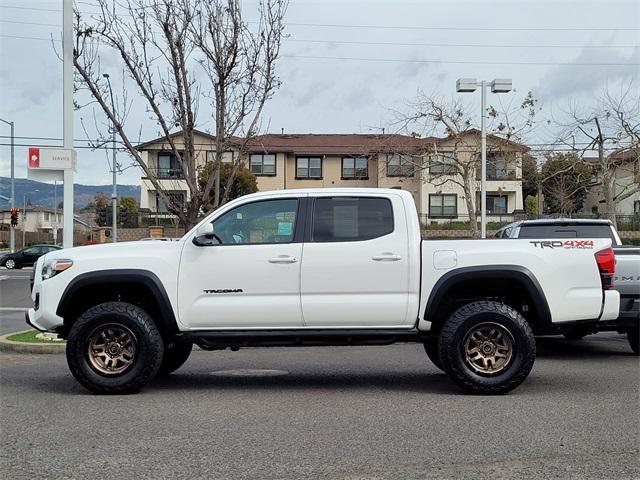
(12, 198)
(114, 169)
(67, 118)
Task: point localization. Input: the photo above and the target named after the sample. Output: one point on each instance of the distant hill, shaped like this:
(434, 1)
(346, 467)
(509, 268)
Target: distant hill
(42, 194)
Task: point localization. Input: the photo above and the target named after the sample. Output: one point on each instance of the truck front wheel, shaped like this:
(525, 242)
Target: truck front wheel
(433, 352)
(175, 354)
(487, 347)
(114, 348)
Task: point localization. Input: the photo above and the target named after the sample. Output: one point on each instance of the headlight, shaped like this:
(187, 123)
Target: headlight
(53, 267)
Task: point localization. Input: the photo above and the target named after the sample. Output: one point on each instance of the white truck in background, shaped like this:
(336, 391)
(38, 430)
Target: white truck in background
(317, 267)
(626, 280)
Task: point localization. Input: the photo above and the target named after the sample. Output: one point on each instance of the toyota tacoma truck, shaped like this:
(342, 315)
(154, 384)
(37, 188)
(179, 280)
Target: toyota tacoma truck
(317, 267)
(626, 280)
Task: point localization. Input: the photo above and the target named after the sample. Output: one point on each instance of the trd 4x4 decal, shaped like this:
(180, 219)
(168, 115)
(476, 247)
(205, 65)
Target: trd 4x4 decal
(567, 244)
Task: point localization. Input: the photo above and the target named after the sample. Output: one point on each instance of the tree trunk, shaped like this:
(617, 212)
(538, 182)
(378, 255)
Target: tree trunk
(469, 196)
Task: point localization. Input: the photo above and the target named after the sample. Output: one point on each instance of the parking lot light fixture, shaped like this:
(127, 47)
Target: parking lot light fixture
(470, 85)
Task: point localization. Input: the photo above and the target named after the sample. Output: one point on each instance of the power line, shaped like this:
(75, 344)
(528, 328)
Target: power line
(20, 22)
(399, 27)
(401, 44)
(465, 62)
(500, 29)
(400, 60)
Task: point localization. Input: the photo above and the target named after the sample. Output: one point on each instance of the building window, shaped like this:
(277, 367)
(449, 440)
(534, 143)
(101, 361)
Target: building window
(309, 167)
(227, 157)
(355, 168)
(168, 166)
(351, 219)
(177, 198)
(443, 205)
(443, 164)
(496, 204)
(263, 164)
(636, 207)
(400, 166)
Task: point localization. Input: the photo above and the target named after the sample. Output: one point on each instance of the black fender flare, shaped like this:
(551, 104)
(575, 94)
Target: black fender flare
(522, 275)
(148, 279)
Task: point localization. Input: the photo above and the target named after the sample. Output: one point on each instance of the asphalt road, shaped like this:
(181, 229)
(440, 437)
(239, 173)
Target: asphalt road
(353, 413)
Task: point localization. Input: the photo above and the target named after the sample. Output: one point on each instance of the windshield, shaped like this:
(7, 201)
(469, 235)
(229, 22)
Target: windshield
(567, 231)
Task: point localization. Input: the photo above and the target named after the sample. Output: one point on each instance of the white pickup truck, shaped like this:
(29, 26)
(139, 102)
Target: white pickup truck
(317, 267)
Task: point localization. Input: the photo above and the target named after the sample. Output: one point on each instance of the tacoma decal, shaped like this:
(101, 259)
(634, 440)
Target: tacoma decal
(224, 290)
(567, 244)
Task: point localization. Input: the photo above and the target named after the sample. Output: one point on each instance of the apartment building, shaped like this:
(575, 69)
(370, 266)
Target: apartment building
(625, 185)
(287, 161)
(442, 193)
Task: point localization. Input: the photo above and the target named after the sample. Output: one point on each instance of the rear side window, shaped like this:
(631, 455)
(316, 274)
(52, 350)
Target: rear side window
(569, 231)
(350, 219)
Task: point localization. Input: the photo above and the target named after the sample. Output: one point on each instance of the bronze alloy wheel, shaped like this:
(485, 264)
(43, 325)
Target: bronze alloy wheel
(488, 348)
(112, 349)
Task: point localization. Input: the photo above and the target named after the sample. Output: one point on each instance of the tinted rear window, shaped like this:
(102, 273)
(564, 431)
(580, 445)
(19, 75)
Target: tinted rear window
(346, 219)
(568, 231)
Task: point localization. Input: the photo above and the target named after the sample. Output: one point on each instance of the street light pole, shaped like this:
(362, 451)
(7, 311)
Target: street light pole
(483, 160)
(114, 168)
(498, 85)
(12, 199)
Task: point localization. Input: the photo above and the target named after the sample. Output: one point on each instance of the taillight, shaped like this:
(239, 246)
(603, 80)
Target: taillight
(606, 261)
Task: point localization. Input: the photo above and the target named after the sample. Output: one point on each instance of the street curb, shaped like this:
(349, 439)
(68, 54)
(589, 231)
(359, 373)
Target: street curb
(9, 346)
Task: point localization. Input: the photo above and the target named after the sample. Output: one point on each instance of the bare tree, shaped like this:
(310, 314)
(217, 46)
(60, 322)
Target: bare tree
(182, 58)
(611, 129)
(458, 162)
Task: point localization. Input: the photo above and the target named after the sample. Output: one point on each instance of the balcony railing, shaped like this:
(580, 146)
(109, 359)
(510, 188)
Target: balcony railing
(167, 173)
(498, 174)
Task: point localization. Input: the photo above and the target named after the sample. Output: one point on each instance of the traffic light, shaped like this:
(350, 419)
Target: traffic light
(102, 216)
(124, 212)
(14, 217)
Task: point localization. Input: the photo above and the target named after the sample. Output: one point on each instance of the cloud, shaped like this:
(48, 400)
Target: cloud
(564, 81)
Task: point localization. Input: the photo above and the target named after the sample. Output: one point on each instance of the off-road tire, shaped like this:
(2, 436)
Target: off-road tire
(175, 354)
(148, 354)
(433, 352)
(452, 355)
(634, 340)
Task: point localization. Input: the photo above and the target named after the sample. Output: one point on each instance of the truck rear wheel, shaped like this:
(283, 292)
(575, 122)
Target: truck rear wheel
(487, 347)
(634, 339)
(114, 348)
(175, 354)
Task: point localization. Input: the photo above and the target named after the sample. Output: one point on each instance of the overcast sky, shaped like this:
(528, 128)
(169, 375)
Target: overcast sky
(538, 44)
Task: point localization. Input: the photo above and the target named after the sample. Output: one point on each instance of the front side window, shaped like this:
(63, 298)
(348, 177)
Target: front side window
(263, 164)
(348, 219)
(268, 221)
(400, 166)
(308, 167)
(355, 168)
(443, 205)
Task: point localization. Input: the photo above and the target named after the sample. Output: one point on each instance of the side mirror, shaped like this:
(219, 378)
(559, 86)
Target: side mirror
(205, 236)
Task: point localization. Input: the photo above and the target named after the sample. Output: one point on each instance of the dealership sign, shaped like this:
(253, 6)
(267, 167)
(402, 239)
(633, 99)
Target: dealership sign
(52, 158)
(49, 164)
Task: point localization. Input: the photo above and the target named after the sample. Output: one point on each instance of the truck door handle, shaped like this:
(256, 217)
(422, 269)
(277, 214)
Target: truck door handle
(386, 257)
(283, 259)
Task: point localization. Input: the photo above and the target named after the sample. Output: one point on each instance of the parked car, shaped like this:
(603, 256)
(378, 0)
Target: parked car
(626, 280)
(314, 267)
(27, 256)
